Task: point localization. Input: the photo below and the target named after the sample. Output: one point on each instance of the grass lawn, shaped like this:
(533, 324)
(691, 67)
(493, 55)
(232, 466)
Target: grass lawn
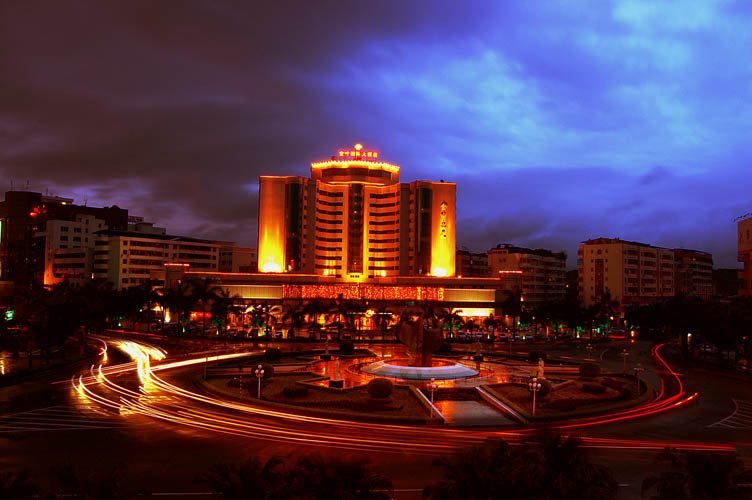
(355, 402)
(570, 397)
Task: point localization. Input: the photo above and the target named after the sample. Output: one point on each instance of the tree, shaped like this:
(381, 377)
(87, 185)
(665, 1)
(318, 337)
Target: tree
(693, 475)
(315, 478)
(311, 478)
(295, 317)
(249, 479)
(223, 305)
(383, 318)
(204, 291)
(16, 485)
(551, 468)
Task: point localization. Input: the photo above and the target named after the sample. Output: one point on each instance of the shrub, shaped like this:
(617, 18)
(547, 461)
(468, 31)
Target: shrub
(445, 348)
(295, 391)
(536, 355)
(273, 354)
(589, 370)
(346, 347)
(380, 388)
(545, 389)
(593, 388)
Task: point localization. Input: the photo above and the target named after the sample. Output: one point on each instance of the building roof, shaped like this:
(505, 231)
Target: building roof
(543, 252)
(151, 236)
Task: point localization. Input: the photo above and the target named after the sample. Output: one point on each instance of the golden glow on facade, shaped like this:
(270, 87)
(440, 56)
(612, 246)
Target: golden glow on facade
(271, 252)
(443, 229)
(357, 292)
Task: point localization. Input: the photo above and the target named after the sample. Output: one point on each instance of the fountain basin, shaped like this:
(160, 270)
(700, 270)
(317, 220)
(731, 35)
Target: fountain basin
(400, 369)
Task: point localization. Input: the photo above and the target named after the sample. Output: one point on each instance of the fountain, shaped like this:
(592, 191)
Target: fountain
(422, 341)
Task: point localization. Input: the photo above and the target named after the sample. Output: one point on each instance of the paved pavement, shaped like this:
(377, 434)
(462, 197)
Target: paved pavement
(42, 416)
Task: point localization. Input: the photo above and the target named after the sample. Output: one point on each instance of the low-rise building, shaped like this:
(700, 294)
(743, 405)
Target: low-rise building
(539, 275)
(471, 264)
(234, 259)
(132, 258)
(744, 254)
(633, 273)
(694, 272)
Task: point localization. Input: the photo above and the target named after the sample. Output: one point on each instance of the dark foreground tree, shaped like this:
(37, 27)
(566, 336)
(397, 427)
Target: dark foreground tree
(249, 479)
(311, 478)
(16, 485)
(699, 476)
(550, 469)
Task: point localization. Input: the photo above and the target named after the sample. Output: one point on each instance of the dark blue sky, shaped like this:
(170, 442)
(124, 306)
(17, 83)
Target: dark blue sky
(559, 121)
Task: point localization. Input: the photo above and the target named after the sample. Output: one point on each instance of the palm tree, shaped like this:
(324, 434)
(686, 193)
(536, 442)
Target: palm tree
(315, 478)
(383, 317)
(204, 291)
(249, 479)
(96, 298)
(314, 308)
(512, 306)
(294, 316)
(550, 468)
(223, 305)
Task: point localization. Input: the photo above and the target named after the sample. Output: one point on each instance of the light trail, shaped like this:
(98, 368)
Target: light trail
(160, 399)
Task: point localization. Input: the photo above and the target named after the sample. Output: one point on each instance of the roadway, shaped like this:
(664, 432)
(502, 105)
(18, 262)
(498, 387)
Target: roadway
(170, 435)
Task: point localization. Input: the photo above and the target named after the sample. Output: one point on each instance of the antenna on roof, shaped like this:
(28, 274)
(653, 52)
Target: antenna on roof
(86, 200)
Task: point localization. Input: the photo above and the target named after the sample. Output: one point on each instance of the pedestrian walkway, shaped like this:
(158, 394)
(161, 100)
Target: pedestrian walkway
(472, 413)
(56, 418)
(741, 418)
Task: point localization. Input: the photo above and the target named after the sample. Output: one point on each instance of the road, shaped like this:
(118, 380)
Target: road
(164, 440)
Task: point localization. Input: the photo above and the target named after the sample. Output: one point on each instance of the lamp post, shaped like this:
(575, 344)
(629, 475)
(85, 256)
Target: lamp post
(637, 370)
(624, 354)
(589, 349)
(259, 375)
(432, 386)
(534, 386)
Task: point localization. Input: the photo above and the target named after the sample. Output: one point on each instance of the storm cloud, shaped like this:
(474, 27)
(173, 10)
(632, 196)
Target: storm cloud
(559, 121)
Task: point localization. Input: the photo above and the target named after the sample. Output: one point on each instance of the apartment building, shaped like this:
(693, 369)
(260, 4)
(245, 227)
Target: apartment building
(353, 220)
(470, 264)
(132, 258)
(24, 250)
(632, 272)
(694, 272)
(69, 246)
(539, 275)
(234, 259)
(744, 254)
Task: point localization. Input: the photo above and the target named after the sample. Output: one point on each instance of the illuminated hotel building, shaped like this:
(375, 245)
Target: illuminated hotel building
(353, 220)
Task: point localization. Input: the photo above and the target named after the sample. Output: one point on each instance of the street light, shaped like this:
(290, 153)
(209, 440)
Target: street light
(259, 375)
(589, 349)
(638, 369)
(432, 386)
(534, 386)
(624, 354)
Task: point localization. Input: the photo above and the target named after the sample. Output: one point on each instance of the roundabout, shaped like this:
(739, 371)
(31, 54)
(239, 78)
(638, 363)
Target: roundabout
(163, 387)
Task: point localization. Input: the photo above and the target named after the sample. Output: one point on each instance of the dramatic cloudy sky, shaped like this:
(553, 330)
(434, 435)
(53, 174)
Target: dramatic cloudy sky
(560, 121)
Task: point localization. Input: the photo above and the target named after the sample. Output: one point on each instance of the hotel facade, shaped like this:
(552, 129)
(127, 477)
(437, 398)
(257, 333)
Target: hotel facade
(352, 231)
(353, 219)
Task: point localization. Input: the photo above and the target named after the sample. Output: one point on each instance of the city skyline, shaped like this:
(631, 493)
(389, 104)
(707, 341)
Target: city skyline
(628, 121)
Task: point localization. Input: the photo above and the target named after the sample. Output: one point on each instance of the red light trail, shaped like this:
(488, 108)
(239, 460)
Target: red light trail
(160, 399)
